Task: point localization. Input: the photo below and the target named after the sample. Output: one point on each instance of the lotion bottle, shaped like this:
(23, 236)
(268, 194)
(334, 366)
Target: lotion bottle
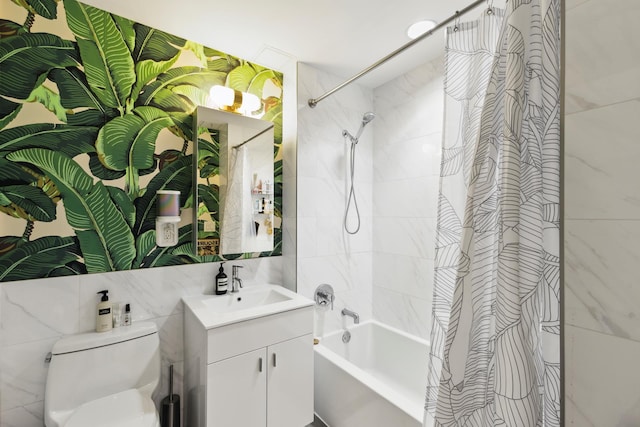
(127, 315)
(221, 281)
(104, 316)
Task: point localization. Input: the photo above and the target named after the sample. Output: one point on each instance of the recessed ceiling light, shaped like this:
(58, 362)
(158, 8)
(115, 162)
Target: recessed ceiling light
(419, 28)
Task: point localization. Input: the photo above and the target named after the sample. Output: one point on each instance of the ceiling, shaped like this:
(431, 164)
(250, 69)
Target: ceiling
(339, 36)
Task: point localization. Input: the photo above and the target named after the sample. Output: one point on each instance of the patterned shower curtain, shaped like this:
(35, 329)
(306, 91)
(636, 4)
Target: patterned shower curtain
(495, 355)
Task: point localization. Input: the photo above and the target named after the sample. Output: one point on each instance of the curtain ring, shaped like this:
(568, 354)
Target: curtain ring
(456, 22)
(489, 7)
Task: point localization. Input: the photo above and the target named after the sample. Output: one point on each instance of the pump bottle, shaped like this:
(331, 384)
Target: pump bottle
(221, 281)
(104, 315)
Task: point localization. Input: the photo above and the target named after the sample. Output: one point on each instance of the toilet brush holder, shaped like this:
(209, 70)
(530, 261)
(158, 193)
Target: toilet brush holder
(170, 415)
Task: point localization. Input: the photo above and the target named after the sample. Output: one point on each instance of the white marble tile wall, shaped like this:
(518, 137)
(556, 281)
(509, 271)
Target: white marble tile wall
(407, 142)
(602, 213)
(603, 40)
(601, 379)
(326, 253)
(35, 313)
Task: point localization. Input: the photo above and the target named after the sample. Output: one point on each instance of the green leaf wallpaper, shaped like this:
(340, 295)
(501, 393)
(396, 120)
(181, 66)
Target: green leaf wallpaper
(96, 117)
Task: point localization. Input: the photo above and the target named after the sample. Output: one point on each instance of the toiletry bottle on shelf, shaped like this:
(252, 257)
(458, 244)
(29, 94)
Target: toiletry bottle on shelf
(254, 184)
(116, 311)
(221, 281)
(126, 320)
(104, 317)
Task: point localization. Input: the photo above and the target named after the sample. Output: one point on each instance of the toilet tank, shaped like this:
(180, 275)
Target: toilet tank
(89, 366)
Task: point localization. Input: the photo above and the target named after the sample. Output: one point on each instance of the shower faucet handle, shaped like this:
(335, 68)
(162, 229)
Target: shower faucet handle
(324, 295)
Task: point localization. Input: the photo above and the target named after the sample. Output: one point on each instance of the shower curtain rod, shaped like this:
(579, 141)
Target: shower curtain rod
(314, 101)
(253, 137)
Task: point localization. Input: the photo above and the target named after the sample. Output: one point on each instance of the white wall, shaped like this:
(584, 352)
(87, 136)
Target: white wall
(327, 254)
(407, 145)
(35, 313)
(386, 270)
(602, 213)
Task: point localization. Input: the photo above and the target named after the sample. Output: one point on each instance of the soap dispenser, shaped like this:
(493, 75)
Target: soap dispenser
(221, 281)
(104, 316)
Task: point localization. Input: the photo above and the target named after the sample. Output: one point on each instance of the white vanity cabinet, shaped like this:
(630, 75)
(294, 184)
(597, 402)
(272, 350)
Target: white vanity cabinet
(249, 373)
(263, 388)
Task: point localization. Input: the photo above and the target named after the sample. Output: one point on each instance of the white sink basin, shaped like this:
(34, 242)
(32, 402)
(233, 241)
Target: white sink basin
(251, 302)
(242, 301)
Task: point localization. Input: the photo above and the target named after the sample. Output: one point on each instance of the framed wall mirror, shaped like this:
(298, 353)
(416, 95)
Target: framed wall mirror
(235, 185)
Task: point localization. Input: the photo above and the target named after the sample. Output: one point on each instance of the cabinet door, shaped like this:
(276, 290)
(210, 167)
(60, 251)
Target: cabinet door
(290, 383)
(237, 391)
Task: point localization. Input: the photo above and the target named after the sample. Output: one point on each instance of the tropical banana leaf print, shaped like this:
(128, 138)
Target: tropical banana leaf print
(123, 204)
(75, 93)
(26, 59)
(176, 176)
(45, 8)
(106, 240)
(37, 258)
(105, 56)
(69, 140)
(29, 202)
(129, 141)
(208, 159)
(8, 111)
(164, 256)
(154, 53)
(72, 268)
(209, 197)
(14, 173)
(216, 60)
(274, 115)
(9, 28)
(104, 100)
(145, 243)
(181, 89)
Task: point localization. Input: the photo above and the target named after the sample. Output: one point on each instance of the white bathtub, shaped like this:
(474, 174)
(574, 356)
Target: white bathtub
(378, 379)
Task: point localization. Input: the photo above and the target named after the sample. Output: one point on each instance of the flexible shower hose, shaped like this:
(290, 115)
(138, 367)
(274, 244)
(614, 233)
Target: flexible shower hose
(352, 193)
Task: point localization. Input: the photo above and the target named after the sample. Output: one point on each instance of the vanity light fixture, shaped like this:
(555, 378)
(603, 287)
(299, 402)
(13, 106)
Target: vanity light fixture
(419, 28)
(227, 99)
(167, 217)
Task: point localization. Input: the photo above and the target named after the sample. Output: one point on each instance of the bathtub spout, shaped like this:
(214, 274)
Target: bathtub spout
(356, 316)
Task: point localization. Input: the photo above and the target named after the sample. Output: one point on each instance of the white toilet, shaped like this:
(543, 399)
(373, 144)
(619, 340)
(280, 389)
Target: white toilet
(104, 379)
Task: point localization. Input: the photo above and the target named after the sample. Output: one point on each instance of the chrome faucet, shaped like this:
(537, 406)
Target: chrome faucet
(356, 316)
(236, 282)
(324, 295)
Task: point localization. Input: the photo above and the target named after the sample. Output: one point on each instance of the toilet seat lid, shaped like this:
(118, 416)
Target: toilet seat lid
(125, 409)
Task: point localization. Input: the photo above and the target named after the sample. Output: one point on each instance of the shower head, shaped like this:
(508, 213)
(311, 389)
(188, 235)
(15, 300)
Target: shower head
(366, 118)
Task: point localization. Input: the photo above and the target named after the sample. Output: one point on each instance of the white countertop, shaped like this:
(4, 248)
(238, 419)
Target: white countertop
(251, 302)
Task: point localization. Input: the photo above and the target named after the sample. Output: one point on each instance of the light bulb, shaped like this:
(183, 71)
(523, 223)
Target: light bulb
(222, 96)
(419, 28)
(250, 103)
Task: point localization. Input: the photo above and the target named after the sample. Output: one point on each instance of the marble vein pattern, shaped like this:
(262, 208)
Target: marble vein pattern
(601, 272)
(326, 254)
(601, 152)
(407, 144)
(35, 313)
(601, 379)
(602, 41)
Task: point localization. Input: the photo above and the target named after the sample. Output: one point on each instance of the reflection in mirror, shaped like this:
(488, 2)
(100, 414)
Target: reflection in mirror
(235, 183)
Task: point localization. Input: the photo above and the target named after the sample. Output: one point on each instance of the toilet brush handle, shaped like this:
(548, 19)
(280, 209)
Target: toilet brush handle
(171, 383)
